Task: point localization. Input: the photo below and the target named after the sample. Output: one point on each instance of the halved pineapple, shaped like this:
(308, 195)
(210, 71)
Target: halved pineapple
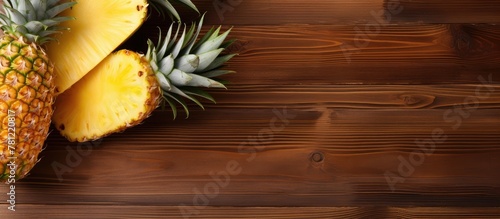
(99, 27)
(120, 92)
(126, 87)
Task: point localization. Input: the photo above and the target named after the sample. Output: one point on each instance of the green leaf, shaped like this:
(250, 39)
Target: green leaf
(182, 94)
(59, 8)
(192, 41)
(217, 73)
(190, 4)
(219, 61)
(4, 20)
(151, 51)
(207, 58)
(22, 30)
(167, 65)
(28, 8)
(163, 44)
(198, 92)
(11, 3)
(51, 3)
(177, 49)
(200, 81)
(22, 6)
(187, 63)
(174, 39)
(48, 33)
(172, 106)
(189, 34)
(165, 4)
(15, 16)
(222, 81)
(180, 101)
(215, 33)
(164, 82)
(228, 43)
(212, 44)
(41, 8)
(35, 26)
(55, 21)
(203, 39)
(179, 78)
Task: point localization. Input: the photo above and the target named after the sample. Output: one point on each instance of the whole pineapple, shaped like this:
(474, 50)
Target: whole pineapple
(26, 82)
(126, 87)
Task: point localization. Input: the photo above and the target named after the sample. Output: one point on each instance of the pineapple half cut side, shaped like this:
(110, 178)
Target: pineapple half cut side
(126, 87)
(99, 27)
(119, 91)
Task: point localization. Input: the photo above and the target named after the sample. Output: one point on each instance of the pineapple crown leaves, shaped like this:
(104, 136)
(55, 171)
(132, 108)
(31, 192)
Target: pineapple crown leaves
(183, 65)
(167, 6)
(36, 20)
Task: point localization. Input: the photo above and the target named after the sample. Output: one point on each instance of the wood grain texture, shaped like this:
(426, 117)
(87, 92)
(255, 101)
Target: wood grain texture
(337, 111)
(238, 12)
(338, 54)
(105, 212)
(171, 161)
(361, 96)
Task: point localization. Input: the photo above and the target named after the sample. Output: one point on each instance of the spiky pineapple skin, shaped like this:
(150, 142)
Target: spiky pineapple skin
(66, 124)
(27, 89)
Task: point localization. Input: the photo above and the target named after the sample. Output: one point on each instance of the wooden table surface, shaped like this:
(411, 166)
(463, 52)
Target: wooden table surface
(339, 109)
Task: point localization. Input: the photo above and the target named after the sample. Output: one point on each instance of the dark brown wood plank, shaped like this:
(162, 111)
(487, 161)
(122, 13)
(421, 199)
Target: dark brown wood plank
(237, 12)
(322, 157)
(321, 113)
(458, 11)
(119, 212)
(398, 54)
(332, 54)
(445, 212)
(485, 95)
(283, 12)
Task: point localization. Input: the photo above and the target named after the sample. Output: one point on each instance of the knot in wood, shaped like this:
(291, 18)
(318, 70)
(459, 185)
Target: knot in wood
(461, 40)
(410, 100)
(417, 100)
(238, 47)
(317, 157)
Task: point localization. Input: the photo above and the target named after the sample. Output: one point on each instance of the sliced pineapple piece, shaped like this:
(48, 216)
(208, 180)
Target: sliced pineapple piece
(120, 92)
(99, 27)
(116, 94)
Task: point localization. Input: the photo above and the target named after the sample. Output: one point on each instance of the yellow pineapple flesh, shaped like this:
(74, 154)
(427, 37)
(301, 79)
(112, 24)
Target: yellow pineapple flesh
(126, 87)
(99, 28)
(110, 97)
